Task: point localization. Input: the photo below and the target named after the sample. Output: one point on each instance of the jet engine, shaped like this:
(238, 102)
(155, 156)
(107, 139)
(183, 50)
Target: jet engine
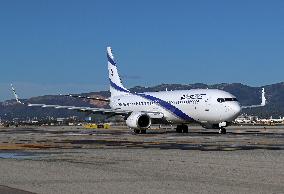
(138, 120)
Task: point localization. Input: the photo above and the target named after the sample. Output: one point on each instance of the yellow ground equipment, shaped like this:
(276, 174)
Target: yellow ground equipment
(96, 126)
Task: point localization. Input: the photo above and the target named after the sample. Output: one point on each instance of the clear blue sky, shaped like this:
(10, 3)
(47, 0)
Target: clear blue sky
(49, 47)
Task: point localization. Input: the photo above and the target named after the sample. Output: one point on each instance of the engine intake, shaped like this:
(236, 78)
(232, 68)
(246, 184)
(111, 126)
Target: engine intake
(138, 120)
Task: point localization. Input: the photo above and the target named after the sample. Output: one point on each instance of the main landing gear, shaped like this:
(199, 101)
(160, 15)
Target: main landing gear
(222, 130)
(140, 131)
(222, 126)
(182, 129)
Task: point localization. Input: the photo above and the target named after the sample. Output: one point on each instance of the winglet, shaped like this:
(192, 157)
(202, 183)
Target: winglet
(263, 99)
(15, 94)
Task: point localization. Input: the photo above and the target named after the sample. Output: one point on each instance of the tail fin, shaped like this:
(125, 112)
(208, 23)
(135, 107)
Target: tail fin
(116, 86)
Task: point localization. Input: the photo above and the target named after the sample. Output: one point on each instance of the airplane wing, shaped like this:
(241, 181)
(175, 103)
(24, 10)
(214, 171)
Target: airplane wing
(85, 97)
(83, 109)
(263, 101)
(90, 110)
(152, 114)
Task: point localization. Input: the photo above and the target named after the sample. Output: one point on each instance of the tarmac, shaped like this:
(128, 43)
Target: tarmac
(248, 159)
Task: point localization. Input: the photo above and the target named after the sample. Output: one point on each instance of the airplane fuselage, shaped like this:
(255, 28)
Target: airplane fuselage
(207, 106)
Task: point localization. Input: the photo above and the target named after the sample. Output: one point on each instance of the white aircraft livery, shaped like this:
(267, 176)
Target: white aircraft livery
(211, 108)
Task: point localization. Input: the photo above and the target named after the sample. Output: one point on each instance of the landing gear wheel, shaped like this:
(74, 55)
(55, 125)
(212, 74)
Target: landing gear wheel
(185, 130)
(137, 131)
(222, 131)
(179, 129)
(182, 129)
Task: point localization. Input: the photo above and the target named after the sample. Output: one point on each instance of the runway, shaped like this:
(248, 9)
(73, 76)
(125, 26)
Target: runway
(76, 160)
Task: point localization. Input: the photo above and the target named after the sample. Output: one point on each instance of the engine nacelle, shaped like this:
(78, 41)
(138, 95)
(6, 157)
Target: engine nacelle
(138, 120)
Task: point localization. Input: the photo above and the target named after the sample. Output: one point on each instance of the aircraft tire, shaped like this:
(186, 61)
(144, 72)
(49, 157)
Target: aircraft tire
(185, 130)
(137, 131)
(222, 131)
(179, 129)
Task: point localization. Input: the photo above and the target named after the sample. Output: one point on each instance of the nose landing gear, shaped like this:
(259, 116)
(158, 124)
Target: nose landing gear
(222, 126)
(222, 130)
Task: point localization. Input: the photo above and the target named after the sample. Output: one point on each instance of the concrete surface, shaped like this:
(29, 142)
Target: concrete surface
(75, 160)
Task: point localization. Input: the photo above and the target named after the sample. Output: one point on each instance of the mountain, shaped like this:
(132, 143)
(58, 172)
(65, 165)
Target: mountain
(246, 95)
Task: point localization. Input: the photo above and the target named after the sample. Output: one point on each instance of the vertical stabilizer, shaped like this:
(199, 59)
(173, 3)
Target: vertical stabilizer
(116, 86)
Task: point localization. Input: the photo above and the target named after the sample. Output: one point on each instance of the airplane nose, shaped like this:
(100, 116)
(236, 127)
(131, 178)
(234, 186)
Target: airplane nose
(236, 108)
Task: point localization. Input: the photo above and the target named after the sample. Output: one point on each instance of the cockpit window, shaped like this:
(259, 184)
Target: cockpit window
(226, 99)
(220, 100)
(230, 99)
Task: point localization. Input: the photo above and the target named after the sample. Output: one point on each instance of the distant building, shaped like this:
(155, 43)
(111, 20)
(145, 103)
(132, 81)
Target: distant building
(249, 119)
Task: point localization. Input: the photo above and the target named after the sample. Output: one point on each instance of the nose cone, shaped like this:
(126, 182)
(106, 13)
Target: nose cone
(235, 110)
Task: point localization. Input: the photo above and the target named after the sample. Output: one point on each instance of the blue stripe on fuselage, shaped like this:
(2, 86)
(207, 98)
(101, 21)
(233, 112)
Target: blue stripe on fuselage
(167, 106)
(162, 103)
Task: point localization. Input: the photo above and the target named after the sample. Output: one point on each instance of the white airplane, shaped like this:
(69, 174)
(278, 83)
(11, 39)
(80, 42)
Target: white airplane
(211, 108)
